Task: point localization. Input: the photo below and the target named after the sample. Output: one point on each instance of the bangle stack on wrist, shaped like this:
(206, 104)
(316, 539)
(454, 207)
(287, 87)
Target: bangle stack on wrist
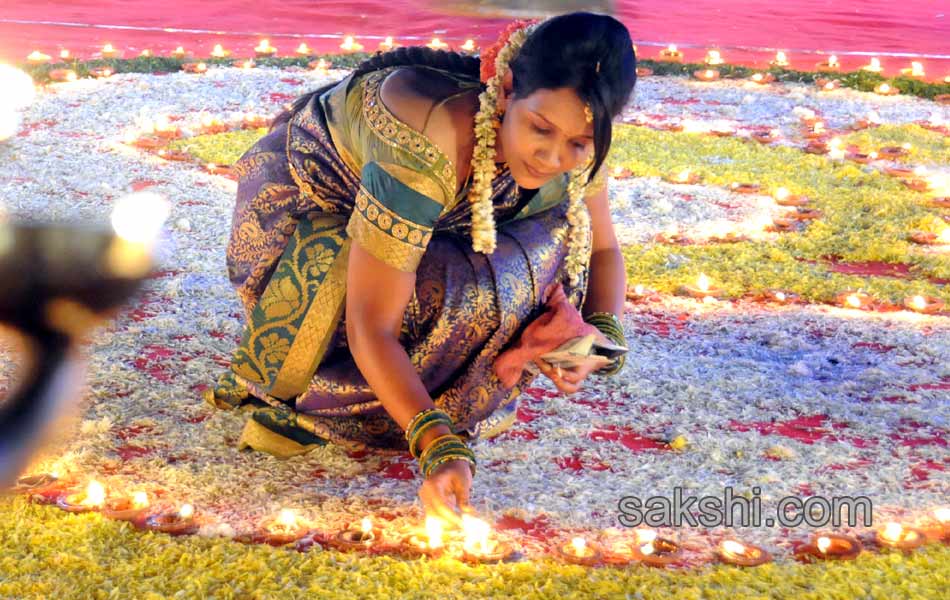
(442, 449)
(610, 326)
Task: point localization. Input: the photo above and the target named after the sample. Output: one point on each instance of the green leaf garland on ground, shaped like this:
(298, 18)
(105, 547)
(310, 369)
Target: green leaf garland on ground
(220, 149)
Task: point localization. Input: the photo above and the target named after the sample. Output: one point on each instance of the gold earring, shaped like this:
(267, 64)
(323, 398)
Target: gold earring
(588, 113)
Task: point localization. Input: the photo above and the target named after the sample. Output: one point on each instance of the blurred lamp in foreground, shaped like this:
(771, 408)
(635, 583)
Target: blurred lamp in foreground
(59, 282)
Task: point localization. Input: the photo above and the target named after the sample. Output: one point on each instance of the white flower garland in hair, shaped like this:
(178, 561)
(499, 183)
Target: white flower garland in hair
(483, 172)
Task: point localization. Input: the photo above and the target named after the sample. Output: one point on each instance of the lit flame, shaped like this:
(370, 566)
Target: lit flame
(434, 531)
(907, 146)
(893, 532)
(733, 547)
(437, 44)
(823, 544)
(647, 549)
(108, 49)
(350, 45)
(138, 218)
(683, 175)
(64, 54)
(884, 88)
(781, 193)
(265, 47)
(713, 57)
(833, 61)
(638, 289)
(939, 184)
(942, 515)
(757, 77)
(780, 296)
(916, 69)
(37, 56)
(469, 46)
(95, 494)
(303, 48)
(781, 58)
(146, 53)
(671, 49)
(702, 282)
(853, 300)
(180, 50)
(287, 519)
(475, 532)
(579, 546)
(219, 51)
(139, 500)
(186, 511)
(18, 89)
(944, 237)
(646, 536)
(918, 302)
(830, 85)
(874, 65)
(388, 43)
(709, 73)
(366, 526)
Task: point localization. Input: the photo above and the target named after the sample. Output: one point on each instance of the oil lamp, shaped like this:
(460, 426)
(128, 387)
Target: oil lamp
(885, 89)
(428, 543)
(220, 52)
(354, 538)
(895, 535)
(713, 58)
(702, 289)
(38, 58)
(285, 528)
(655, 551)
(742, 554)
(350, 45)
(264, 49)
(857, 300)
(830, 65)
(108, 51)
(780, 60)
(126, 508)
(830, 546)
(176, 522)
(671, 54)
(706, 74)
(874, 66)
(469, 46)
(79, 502)
(303, 50)
(478, 545)
(579, 552)
(437, 44)
(916, 70)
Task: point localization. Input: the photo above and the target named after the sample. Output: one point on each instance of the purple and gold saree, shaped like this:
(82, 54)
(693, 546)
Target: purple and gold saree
(345, 170)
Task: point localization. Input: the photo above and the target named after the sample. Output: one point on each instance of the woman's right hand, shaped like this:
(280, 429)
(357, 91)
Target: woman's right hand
(445, 493)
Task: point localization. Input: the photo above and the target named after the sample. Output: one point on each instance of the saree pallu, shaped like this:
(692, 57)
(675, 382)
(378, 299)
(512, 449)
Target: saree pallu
(287, 259)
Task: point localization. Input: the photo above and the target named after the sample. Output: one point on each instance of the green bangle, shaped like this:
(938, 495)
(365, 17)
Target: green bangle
(424, 424)
(449, 458)
(420, 416)
(443, 446)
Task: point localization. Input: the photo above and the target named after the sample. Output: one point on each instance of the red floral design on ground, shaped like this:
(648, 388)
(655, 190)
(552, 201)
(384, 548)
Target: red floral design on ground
(807, 429)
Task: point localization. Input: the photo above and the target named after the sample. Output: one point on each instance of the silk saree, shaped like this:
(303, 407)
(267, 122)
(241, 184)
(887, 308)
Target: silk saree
(345, 170)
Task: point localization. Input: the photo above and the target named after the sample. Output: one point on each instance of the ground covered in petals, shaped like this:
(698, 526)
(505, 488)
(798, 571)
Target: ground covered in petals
(808, 398)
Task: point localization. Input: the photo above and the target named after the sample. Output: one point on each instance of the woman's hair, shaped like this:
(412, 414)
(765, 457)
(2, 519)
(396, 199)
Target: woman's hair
(561, 52)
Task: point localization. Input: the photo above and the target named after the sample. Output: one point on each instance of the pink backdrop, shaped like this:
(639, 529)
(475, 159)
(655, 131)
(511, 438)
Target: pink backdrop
(879, 26)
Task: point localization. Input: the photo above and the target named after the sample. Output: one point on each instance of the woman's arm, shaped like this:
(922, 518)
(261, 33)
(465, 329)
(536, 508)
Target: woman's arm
(607, 280)
(376, 299)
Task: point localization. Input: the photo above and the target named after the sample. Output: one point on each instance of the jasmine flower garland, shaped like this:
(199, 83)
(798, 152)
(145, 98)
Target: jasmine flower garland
(483, 170)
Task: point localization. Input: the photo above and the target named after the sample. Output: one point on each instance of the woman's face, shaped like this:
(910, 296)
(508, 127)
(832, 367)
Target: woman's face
(544, 135)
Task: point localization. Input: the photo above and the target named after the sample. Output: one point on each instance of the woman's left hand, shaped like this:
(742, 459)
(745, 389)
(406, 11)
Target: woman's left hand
(568, 380)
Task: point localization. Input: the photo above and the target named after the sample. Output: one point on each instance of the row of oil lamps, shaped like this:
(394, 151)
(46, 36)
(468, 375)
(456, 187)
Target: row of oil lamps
(713, 58)
(476, 540)
(704, 290)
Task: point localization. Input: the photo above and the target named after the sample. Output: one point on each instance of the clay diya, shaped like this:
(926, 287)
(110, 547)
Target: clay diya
(62, 75)
(765, 137)
(173, 155)
(829, 66)
(886, 89)
(936, 525)
(780, 60)
(251, 121)
(816, 147)
(804, 214)
(830, 546)
(177, 522)
(285, 528)
(656, 552)
(218, 169)
(857, 300)
(943, 202)
(264, 49)
(702, 289)
(126, 508)
(101, 72)
(899, 171)
(220, 52)
(361, 538)
(744, 188)
(781, 297)
(644, 72)
(706, 74)
(891, 152)
(782, 224)
(916, 184)
(195, 67)
(479, 546)
(671, 54)
(895, 535)
(579, 552)
(425, 543)
(783, 197)
(638, 292)
(860, 157)
(86, 501)
(685, 177)
(32, 483)
(762, 78)
(827, 85)
(470, 46)
(742, 554)
(926, 238)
